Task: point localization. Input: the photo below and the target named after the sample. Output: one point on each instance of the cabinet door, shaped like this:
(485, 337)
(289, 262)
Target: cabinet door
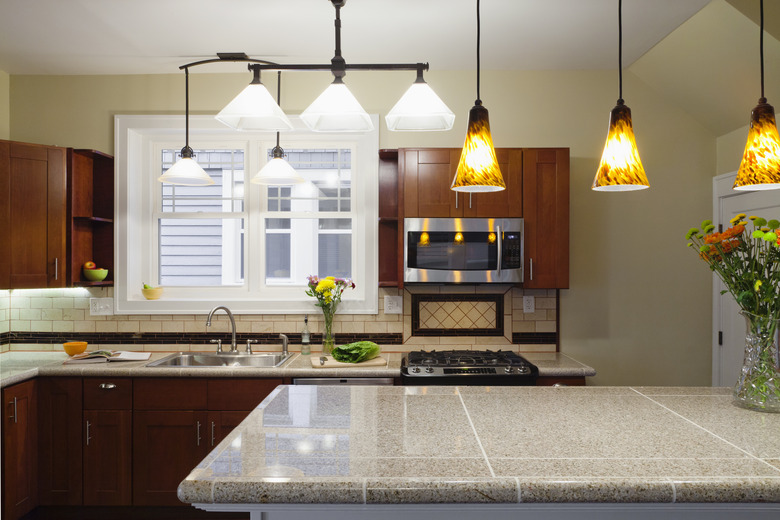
(20, 475)
(167, 445)
(59, 441)
(546, 217)
(32, 178)
(107, 457)
(220, 424)
(507, 203)
(427, 176)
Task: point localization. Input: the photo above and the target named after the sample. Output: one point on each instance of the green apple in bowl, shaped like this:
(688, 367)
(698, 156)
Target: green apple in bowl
(151, 293)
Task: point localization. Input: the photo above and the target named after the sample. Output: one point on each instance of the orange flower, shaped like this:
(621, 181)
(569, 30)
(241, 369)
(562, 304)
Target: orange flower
(713, 238)
(734, 231)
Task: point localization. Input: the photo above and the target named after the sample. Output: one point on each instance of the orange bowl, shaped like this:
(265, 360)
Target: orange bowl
(74, 347)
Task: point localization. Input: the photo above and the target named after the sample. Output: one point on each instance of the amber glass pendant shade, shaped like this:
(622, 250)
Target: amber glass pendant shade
(760, 167)
(478, 169)
(620, 168)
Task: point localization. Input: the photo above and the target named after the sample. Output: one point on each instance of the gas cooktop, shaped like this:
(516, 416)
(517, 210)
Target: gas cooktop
(467, 367)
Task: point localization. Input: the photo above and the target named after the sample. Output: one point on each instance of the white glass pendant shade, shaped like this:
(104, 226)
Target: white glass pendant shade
(277, 172)
(254, 109)
(420, 110)
(186, 172)
(337, 110)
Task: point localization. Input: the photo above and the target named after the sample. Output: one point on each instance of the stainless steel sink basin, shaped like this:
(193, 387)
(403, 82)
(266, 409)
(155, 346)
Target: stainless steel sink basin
(212, 360)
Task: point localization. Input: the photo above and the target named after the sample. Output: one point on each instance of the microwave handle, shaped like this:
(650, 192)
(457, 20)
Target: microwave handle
(500, 249)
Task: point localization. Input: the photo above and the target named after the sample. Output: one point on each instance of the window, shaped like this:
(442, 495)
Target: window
(247, 246)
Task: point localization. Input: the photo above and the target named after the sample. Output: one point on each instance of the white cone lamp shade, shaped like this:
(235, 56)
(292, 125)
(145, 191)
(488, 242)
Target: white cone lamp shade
(186, 172)
(337, 110)
(420, 110)
(254, 109)
(277, 172)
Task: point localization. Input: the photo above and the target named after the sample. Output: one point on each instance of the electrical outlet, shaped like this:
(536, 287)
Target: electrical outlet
(529, 305)
(101, 306)
(393, 304)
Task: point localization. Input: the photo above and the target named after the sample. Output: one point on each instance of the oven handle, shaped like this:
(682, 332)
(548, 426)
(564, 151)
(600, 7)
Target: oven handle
(500, 249)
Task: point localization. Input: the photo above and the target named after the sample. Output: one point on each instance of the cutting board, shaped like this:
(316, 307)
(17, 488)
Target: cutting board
(378, 361)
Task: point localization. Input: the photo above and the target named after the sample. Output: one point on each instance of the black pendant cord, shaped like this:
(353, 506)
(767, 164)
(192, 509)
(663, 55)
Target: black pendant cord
(186, 152)
(278, 97)
(620, 51)
(479, 100)
(761, 50)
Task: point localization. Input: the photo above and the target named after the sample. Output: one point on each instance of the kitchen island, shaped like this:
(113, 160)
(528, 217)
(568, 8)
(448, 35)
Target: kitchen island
(508, 452)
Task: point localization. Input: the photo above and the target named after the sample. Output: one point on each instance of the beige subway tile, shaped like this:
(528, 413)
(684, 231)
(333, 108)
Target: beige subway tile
(150, 326)
(423, 340)
(128, 326)
(552, 315)
(539, 315)
(282, 327)
(407, 327)
(51, 314)
(376, 327)
(105, 326)
(84, 326)
(258, 327)
(62, 303)
(20, 302)
(30, 314)
(82, 303)
(523, 326)
(545, 326)
(21, 325)
(171, 326)
(162, 317)
(545, 303)
(407, 304)
(62, 326)
(395, 327)
(353, 327)
(191, 326)
(73, 314)
(40, 326)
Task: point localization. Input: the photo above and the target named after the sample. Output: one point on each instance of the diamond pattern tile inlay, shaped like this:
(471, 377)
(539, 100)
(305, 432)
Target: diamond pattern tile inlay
(457, 315)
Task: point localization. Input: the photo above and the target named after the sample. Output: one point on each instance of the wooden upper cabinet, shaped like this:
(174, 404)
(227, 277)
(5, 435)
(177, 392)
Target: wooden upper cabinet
(546, 217)
(427, 176)
(32, 218)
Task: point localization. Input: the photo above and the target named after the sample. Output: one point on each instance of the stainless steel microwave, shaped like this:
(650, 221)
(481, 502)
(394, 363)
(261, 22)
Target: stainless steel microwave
(463, 250)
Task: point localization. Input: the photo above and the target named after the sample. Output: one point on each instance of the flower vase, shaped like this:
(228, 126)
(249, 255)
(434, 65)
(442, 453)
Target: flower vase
(328, 341)
(758, 387)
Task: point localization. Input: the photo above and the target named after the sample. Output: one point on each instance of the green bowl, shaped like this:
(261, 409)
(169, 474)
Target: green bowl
(95, 275)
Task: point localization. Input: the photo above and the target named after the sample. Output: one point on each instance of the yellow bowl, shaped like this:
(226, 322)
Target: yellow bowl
(74, 347)
(152, 294)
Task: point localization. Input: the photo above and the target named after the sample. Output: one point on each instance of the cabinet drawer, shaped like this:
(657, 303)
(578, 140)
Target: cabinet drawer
(239, 394)
(170, 394)
(108, 394)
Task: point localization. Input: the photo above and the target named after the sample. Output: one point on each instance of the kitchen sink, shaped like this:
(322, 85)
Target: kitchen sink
(212, 360)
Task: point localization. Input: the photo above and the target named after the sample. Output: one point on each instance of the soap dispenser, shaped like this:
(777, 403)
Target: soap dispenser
(305, 337)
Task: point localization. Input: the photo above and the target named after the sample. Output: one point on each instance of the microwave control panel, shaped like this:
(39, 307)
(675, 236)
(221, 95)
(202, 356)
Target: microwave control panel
(512, 251)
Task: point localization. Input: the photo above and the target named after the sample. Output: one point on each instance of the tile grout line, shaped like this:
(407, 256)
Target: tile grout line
(476, 436)
(705, 429)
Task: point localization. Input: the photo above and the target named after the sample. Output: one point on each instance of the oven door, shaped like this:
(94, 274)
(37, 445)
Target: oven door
(476, 250)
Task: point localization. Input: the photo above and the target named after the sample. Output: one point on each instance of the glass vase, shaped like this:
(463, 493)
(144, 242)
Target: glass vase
(328, 341)
(758, 387)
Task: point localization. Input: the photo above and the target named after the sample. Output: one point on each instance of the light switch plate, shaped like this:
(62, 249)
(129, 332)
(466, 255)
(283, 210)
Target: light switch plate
(394, 304)
(528, 304)
(101, 306)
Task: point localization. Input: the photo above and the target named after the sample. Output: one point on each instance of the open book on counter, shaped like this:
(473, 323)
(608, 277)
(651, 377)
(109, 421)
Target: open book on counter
(103, 356)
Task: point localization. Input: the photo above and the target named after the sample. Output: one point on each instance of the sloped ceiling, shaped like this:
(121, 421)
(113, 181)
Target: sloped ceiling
(710, 65)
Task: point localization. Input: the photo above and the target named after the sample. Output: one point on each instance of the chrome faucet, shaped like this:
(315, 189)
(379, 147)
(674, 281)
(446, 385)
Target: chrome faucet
(285, 351)
(233, 347)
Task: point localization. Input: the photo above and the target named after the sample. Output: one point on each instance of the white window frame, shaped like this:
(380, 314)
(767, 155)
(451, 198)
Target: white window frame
(138, 140)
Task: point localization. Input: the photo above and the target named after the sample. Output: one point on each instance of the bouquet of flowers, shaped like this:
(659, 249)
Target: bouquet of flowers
(748, 263)
(328, 292)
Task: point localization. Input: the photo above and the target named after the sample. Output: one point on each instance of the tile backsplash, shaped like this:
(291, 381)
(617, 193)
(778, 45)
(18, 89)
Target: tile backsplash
(40, 319)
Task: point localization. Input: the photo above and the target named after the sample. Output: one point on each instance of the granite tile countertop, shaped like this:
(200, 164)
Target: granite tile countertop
(500, 445)
(19, 366)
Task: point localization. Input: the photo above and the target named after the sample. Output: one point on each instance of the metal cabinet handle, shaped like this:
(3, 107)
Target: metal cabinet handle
(88, 437)
(14, 416)
(106, 386)
(532, 268)
(470, 200)
(500, 248)
(198, 439)
(560, 384)
(212, 434)
(56, 268)
(456, 200)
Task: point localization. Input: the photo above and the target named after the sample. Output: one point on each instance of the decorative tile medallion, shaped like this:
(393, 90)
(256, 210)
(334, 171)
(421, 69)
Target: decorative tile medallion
(457, 315)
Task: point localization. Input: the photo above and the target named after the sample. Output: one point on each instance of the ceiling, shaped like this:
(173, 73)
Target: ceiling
(154, 36)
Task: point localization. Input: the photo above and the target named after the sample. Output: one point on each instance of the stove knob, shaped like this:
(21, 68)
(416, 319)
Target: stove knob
(414, 370)
(508, 370)
(524, 370)
(429, 370)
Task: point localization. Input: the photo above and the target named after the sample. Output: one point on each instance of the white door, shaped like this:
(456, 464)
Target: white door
(729, 337)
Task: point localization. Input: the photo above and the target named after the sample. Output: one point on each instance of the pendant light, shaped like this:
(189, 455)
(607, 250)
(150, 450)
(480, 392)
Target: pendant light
(254, 108)
(336, 109)
(277, 171)
(419, 110)
(478, 169)
(620, 168)
(760, 167)
(186, 172)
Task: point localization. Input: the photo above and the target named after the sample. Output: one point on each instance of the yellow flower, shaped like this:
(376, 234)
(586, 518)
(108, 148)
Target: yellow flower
(757, 285)
(325, 284)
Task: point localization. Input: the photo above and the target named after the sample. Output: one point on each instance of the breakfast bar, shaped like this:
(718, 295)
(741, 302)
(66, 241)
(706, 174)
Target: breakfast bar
(510, 452)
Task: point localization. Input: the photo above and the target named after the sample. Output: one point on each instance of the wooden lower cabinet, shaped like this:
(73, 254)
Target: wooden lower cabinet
(107, 457)
(20, 463)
